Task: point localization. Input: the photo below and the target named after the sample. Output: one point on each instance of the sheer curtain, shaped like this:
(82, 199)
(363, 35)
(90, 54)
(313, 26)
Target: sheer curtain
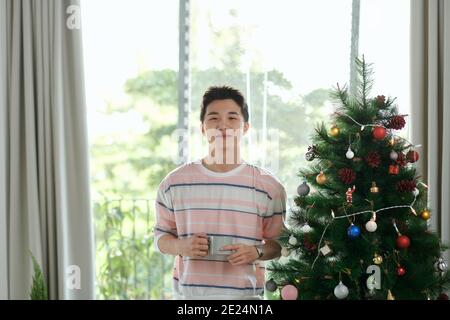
(430, 102)
(44, 183)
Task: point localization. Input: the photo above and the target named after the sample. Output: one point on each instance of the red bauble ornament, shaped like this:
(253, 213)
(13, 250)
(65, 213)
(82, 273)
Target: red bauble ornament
(379, 133)
(394, 169)
(403, 242)
(412, 156)
(401, 271)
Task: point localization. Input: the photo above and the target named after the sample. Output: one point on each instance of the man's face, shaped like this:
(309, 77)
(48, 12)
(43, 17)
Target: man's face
(223, 120)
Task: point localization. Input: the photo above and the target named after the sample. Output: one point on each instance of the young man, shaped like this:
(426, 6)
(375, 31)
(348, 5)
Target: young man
(220, 216)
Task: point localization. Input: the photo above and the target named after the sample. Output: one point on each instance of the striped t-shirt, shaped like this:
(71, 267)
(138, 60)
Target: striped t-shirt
(244, 205)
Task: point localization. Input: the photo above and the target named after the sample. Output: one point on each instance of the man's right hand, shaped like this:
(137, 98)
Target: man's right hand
(194, 246)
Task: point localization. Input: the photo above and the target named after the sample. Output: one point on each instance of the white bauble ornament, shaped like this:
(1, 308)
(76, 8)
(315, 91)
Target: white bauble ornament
(292, 240)
(371, 225)
(350, 154)
(306, 228)
(415, 192)
(341, 291)
(393, 155)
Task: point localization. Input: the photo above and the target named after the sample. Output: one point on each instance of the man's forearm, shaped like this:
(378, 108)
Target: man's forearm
(272, 250)
(169, 244)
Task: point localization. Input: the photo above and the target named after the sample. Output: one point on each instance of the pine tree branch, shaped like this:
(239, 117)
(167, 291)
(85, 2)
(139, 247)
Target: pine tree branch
(322, 135)
(365, 81)
(38, 289)
(339, 94)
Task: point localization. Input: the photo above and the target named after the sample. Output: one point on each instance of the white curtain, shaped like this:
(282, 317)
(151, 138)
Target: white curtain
(430, 103)
(44, 173)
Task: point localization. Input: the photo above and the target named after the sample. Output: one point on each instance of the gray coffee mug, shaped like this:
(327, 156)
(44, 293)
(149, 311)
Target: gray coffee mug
(217, 242)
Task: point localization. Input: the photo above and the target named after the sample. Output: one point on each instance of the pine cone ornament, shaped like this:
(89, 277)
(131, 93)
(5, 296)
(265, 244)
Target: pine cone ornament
(406, 185)
(396, 122)
(347, 175)
(401, 159)
(308, 245)
(373, 159)
(380, 100)
(311, 154)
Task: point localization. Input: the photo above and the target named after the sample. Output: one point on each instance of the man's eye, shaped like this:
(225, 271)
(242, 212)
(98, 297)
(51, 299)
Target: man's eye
(233, 118)
(212, 118)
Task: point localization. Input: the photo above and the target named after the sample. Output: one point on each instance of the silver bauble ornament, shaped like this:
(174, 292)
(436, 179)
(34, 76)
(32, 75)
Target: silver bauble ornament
(341, 291)
(303, 189)
(271, 285)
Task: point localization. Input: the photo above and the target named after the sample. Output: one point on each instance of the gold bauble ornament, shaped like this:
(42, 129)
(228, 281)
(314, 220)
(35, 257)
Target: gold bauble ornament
(321, 178)
(374, 188)
(377, 259)
(334, 131)
(425, 214)
(390, 296)
(392, 141)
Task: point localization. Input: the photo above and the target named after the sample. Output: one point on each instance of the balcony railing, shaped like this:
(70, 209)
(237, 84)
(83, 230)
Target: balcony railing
(127, 265)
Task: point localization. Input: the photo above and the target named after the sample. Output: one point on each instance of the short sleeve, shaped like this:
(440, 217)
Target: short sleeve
(276, 209)
(165, 217)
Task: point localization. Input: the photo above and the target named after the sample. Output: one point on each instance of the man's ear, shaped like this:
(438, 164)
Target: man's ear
(202, 130)
(246, 127)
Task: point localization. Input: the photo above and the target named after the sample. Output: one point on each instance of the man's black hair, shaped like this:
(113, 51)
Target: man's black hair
(222, 93)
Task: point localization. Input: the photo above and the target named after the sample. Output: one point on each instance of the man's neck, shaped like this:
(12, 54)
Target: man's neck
(210, 163)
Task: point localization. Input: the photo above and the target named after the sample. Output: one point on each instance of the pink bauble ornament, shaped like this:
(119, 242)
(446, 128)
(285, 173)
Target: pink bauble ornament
(289, 292)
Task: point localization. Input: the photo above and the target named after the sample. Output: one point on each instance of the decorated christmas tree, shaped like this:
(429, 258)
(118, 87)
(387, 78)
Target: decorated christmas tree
(359, 227)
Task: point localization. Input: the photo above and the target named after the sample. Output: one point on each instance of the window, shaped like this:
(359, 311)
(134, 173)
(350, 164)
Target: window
(283, 55)
(384, 39)
(284, 59)
(131, 67)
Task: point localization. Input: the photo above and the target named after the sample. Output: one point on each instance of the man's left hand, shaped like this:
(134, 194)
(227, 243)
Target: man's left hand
(244, 254)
